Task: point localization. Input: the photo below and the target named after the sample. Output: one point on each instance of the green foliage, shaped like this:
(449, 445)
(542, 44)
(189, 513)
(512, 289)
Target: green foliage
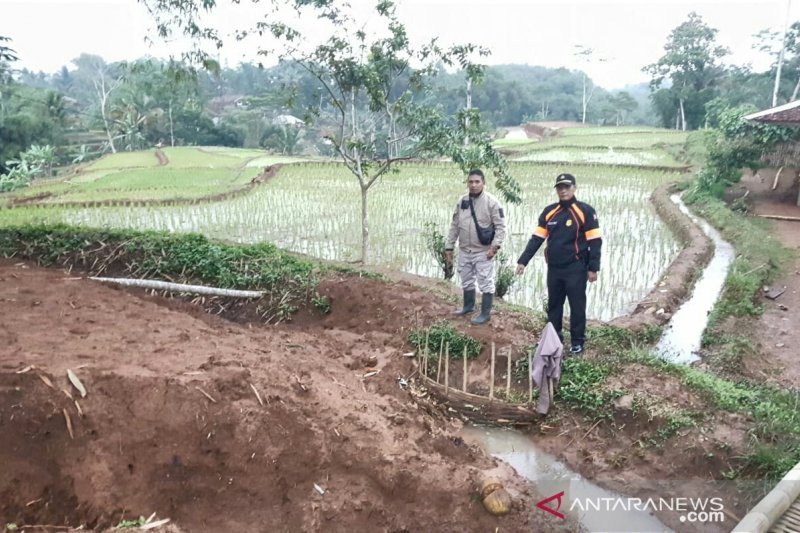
(28, 116)
(775, 412)
(738, 144)
(321, 303)
(187, 258)
(581, 386)
(441, 334)
(612, 339)
(505, 277)
(691, 70)
(434, 243)
(673, 424)
(130, 524)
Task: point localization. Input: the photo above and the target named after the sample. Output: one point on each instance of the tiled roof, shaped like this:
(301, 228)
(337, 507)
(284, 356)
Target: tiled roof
(787, 115)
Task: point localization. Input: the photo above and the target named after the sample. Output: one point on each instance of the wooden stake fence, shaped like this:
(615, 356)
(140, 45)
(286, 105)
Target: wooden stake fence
(478, 408)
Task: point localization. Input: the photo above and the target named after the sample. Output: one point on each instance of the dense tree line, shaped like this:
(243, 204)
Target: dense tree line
(94, 106)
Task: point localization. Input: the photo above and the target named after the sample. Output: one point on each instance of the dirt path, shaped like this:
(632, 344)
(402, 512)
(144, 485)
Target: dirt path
(776, 331)
(151, 440)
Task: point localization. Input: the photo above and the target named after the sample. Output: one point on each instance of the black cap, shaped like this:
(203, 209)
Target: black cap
(561, 179)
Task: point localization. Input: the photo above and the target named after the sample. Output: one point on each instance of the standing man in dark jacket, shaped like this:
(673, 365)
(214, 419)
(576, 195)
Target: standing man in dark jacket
(573, 249)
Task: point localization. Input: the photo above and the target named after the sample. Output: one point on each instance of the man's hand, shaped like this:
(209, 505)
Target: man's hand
(520, 269)
(448, 256)
(491, 253)
(591, 276)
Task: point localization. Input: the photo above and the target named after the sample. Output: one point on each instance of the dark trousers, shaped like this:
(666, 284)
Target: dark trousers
(568, 282)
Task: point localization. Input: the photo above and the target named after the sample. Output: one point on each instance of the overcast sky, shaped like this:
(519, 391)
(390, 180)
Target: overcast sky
(630, 33)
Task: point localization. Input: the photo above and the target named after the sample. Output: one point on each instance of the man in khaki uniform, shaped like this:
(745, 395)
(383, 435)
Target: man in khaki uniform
(476, 252)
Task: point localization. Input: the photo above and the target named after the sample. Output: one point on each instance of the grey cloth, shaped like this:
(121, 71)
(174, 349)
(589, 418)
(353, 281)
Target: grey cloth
(546, 366)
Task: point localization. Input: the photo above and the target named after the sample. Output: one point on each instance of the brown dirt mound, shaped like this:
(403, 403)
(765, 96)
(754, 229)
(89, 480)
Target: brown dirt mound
(150, 440)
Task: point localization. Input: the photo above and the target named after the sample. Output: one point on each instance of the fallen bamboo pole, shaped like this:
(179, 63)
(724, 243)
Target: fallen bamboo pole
(465, 381)
(491, 376)
(179, 287)
(780, 217)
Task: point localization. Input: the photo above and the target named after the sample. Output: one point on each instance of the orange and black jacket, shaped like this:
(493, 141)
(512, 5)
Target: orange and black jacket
(572, 233)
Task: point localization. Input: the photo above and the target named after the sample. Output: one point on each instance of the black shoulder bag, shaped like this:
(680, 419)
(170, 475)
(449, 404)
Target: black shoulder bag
(485, 235)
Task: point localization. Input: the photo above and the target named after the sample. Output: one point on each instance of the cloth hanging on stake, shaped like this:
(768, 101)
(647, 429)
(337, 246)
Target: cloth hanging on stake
(546, 367)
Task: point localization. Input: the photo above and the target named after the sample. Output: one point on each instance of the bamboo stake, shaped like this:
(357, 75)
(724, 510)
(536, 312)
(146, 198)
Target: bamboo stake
(439, 366)
(466, 370)
(491, 376)
(425, 353)
(777, 177)
(425, 366)
(447, 369)
(530, 377)
(508, 374)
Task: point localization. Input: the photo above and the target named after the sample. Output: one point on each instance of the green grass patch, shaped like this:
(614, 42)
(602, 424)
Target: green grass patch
(119, 160)
(582, 387)
(580, 131)
(775, 413)
(193, 157)
(612, 339)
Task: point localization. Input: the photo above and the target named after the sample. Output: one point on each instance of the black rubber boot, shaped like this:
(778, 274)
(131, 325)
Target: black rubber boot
(486, 309)
(469, 303)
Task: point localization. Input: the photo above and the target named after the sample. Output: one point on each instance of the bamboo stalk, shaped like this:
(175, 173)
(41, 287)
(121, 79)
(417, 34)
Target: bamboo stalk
(465, 380)
(508, 374)
(780, 217)
(425, 366)
(447, 369)
(425, 354)
(491, 376)
(530, 377)
(180, 287)
(439, 366)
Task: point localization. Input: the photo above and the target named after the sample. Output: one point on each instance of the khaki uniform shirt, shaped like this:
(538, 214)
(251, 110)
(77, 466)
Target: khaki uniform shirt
(462, 229)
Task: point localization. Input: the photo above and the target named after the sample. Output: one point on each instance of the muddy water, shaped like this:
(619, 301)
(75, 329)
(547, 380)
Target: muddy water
(680, 341)
(551, 477)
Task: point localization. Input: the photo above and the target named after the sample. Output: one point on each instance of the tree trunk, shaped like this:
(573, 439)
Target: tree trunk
(583, 119)
(683, 116)
(364, 226)
(102, 95)
(796, 89)
(171, 129)
(108, 129)
(469, 106)
(780, 56)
